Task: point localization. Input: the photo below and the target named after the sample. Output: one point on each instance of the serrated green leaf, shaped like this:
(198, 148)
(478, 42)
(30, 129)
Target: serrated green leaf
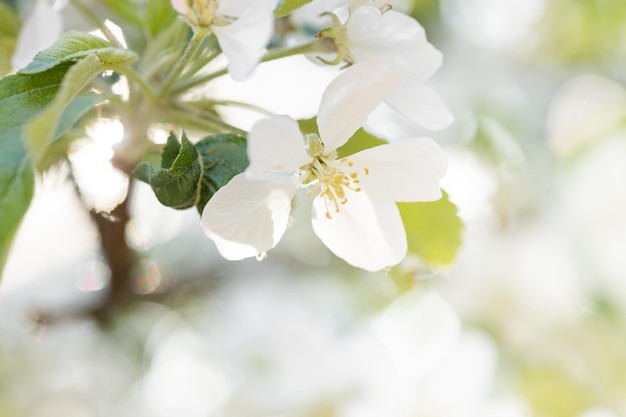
(22, 97)
(144, 172)
(433, 230)
(288, 6)
(224, 156)
(178, 187)
(197, 171)
(74, 46)
(40, 131)
(170, 151)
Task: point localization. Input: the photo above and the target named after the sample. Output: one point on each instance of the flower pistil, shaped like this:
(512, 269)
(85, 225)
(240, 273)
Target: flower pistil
(330, 176)
(203, 13)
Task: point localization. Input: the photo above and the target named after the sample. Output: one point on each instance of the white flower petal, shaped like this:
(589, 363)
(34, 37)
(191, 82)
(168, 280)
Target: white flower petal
(58, 5)
(351, 97)
(310, 15)
(247, 217)
(420, 104)
(40, 30)
(244, 40)
(355, 4)
(181, 6)
(242, 7)
(276, 144)
(405, 170)
(395, 37)
(367, 233)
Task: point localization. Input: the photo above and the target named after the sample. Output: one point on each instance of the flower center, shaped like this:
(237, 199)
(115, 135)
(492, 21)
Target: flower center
(202, 12)
(333, 178)
(338, 31)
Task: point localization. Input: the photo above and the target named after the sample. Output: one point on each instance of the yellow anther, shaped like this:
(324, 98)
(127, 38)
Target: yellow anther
(332, 180)
(202, 12)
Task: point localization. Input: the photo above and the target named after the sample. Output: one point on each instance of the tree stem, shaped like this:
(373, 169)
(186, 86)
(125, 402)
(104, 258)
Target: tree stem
(179, 67)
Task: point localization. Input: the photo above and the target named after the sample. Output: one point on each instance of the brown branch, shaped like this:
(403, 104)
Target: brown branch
(112, 230)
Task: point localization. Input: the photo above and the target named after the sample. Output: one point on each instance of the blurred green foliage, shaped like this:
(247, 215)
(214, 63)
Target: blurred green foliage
(9, 28)
(583, 31)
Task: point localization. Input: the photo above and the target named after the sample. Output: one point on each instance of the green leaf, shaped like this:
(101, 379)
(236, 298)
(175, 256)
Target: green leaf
(159, 14)
(433, 230)
(9, 30)
(9, 21)
(22, 97)
(74, 111)
(41, 130)
(191, 173)
(57, 148)
(125, 9)
(359, 141)
(288, 6)
(308, 125)
(91, 55)
(74, 46)
(170, 151)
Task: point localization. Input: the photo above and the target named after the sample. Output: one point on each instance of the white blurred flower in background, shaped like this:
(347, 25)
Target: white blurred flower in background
(492, 23)
(42, 27)
(585, 109)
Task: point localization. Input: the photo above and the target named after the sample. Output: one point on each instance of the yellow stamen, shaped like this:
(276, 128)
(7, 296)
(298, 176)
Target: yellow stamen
(202, 12)
(333, 179)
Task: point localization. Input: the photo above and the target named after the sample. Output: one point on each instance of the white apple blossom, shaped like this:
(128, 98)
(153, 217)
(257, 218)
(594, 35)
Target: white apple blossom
(354, 211)
(374, 31)
(381, 5)
(42, 27)
(243, 28)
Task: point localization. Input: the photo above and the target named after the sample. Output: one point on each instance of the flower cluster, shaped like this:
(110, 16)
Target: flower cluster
(373, 30)
(385, 57)
(354, 205)
(243, 28)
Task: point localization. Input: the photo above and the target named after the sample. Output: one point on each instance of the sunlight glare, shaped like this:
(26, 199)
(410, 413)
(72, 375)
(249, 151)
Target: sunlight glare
(107, 132)
(115, 30)
(492, 23)
(103, 186)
